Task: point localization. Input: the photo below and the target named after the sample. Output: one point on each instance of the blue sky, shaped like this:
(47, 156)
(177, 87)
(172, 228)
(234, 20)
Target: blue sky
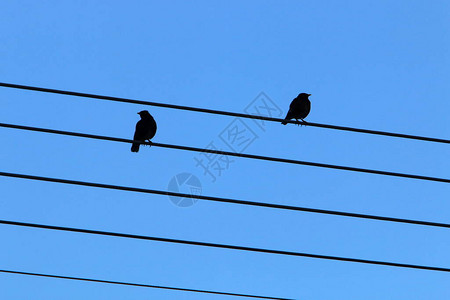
(371, 64)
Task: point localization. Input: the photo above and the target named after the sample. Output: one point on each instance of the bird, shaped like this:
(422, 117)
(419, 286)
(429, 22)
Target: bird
(299, 108)
(145, 129)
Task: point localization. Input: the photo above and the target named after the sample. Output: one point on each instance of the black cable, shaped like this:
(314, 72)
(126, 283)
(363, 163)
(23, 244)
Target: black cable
(223, 246)
(219, 112)
(252, 156)
(140, 285)
(226, 200)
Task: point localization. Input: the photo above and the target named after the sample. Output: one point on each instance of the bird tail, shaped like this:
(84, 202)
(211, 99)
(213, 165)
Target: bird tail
(135, 147)
(288, 117)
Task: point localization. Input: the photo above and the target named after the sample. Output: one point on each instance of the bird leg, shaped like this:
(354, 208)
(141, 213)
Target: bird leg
(298, 122)
(304, 122)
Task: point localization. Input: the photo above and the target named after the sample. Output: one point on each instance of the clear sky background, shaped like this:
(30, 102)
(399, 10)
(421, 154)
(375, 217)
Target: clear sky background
(371, 64)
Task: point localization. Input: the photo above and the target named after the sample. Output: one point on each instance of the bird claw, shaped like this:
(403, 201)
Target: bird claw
(149, 143)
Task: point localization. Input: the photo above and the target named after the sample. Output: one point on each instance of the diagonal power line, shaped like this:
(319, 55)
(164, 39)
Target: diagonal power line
(226, 200)
(219, 112)
(224, 246)
(139, 285)
(227, 153)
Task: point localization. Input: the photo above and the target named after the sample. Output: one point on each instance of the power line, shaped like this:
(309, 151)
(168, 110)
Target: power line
(224, 246)
(140, 285)
(226, 200)
(227, 153)
(219, 112)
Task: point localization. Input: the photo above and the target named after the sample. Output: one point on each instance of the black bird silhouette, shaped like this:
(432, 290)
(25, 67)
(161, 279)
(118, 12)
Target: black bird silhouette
(299, 108)
(145, 129)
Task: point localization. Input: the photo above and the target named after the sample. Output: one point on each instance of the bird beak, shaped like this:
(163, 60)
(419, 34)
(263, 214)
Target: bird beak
(309, 95)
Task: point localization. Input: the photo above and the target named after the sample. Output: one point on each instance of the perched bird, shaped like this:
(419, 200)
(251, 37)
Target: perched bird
(145, 129)
(299, 108)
